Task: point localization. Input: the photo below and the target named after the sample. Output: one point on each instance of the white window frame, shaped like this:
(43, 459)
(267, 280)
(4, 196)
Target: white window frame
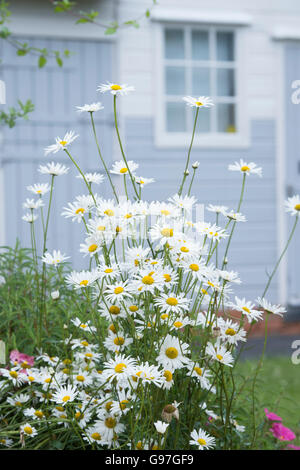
(239, 139)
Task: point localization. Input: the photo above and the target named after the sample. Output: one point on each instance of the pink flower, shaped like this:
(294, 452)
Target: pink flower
(282, 433)
(23, 359)
(293, 447)
(272, 416)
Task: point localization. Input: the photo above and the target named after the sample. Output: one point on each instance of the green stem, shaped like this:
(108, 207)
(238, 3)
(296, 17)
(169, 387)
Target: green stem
(189, 153)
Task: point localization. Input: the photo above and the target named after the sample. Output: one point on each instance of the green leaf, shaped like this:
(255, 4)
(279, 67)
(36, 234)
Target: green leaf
(59, 61)
(42, 61)
(22, 52)
(110, 30)
(82, 20)
(147, 13)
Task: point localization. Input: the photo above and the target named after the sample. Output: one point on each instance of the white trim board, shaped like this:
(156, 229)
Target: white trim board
(207, 17)
(286, 34)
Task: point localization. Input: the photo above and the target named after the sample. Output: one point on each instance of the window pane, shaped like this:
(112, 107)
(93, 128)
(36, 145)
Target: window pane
(174, 44)
(175, 81)
(204, 118)
(225, 46)
(201, 81)
(226, 118)
(200, 45)
(176, 117)
(225, 82)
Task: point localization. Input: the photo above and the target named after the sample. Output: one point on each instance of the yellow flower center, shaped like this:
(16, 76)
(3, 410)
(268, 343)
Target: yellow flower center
(172, 301)
(28, 429)
(118, 229)
(119, 341)
(118, 290)
(297, 207)
(30, 378)
(230, 332)
(246, 309)
(84, 343)
(109, 212)
(148, 280)
(171, 353)
(108, 270)
(116, 87)
(120, 367)
(123, 170)
(114, 310)
(168, 375)
(80, 378)
(110, 423)
(164, 316)
(184, 249)
(133, 308)
(178, 324)
(167, 278)
(139, 446)
(96, 436)
(101, 228)
(88, 355)
(13, 374)
(202, 442)
(194, 267)
(39, 413)
(245, 168)
(219, 357)
(66, 398)
(198, 370)
(80, 210)
(48, 380)
(199, 103)
(63, 142)
(123, 404)
(18, 403)
(84, 282)
(167, 232)
(165, 212)
(93, 247)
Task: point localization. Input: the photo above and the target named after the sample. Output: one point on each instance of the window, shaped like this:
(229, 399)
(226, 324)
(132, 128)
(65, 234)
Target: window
(199, 61)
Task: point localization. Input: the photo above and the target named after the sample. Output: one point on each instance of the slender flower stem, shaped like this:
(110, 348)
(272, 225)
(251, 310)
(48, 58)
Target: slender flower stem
(189, 154)
(121, 147)
(102, 159)
(82, 174)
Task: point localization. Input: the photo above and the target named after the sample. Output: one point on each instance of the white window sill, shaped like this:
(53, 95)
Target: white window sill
(203, 17)
(217, 141)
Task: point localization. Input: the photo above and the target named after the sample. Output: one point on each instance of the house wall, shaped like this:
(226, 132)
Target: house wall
(260, 240)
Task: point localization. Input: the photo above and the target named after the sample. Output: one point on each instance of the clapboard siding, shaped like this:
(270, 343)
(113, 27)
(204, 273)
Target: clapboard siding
(55, 92)
(254, 243)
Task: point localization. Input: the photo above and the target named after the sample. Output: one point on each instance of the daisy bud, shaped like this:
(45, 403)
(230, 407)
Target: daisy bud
(169, 412)
(226, 261)
(186, 173)
(195, 165)
(55, 294)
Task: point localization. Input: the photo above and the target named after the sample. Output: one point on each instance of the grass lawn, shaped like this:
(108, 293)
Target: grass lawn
(278, 389)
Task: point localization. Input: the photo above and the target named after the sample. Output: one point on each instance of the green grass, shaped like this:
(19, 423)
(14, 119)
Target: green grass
(277, 389)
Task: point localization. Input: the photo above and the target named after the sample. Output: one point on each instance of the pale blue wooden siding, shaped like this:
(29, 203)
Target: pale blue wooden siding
(292, 68)
(254, 243)
(55, 92)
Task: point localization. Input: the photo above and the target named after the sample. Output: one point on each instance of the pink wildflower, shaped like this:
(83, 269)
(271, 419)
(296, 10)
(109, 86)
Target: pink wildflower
(293, 447)
(272, 416)
(21, 358)
(282, 433)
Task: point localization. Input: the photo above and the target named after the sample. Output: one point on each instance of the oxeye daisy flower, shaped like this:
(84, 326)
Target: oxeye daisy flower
(219, 353)
(122, 405)
(91, 246)
(18, 400)
(120, 368)
(172, 302)
(236, 216)
(93, 435)
(34, 414)
(119, 168)
(53, 169)
(55, 258)
(147, 281)
(115, 89)
(161, 427)
(172, 352)
(90, 108)
(78, 209)
(95, 178)
(61, 144)
(217, 209)
(85, 326)
(292, 205)
(33, 204)
(4, 441)
(117, 292)
(246, 168)
(112, 312)
(39, 188)
(117, 342)
(82, 279)
(147, 373)
(28, 430)
(166, 232)
(183, 202)
(64, 395)
(231, 332)
(140, 180)
(269, 308)
(109, 427)
(202, 375)
(229, 276)
(109, 272)
(30, 218)
(199, 102)
(246, 308)
(82, 378)
(202, 440)
(15, 376)
(179, 323)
